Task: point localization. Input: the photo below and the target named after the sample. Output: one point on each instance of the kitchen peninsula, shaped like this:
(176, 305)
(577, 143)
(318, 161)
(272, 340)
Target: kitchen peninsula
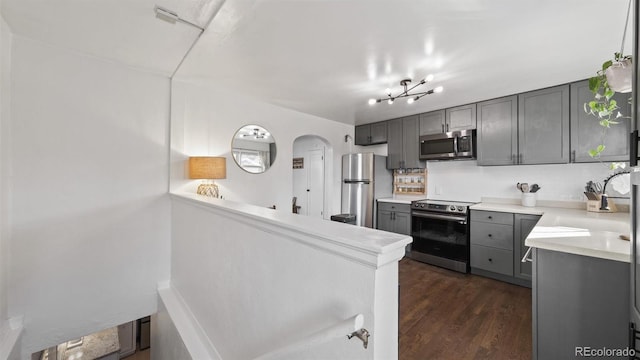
(580, 279)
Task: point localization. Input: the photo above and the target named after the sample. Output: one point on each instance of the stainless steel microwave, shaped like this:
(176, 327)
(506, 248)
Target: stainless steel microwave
(448, 146)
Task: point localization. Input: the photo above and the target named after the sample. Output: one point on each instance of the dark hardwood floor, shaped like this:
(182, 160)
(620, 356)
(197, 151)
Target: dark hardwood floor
(448, 315)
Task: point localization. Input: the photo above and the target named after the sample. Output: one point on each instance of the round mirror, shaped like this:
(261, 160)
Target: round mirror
(253, 149)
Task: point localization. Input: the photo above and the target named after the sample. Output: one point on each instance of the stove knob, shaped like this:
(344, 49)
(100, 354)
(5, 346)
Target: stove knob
(452, 208)
(421, 205)
(460, 208)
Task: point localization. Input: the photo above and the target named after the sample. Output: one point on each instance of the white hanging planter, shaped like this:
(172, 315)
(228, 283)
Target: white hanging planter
(619, 76)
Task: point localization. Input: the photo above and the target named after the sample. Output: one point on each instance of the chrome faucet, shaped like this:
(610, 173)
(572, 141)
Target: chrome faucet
(604, 203)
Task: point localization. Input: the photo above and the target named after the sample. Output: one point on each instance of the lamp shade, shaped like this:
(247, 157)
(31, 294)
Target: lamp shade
(207, 167)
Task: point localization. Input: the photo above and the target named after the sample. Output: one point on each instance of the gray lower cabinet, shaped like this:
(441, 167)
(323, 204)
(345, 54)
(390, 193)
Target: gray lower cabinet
(394, 217)
(523, 224)
(498, 131)
(403, 143)
(586, 132)
(578, 302)
(543, 126)
(497, 245)
(371, 134)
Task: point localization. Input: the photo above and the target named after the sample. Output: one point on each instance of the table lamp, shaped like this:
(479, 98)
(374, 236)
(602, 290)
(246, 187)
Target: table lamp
(208, 168)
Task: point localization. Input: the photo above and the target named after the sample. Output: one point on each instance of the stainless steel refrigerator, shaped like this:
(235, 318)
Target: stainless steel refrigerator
(365, 178)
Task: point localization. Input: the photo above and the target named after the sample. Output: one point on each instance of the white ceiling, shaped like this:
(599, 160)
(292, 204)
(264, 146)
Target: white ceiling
(126, 31)
(328, 57)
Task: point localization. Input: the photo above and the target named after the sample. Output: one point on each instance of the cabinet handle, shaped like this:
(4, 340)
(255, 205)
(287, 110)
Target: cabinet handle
(490, 260)
(490, 235)
(489, 217)
(525, 258)
(513, 159)
(447, 127)
(520, 157)
(442, 127)
(573, 156)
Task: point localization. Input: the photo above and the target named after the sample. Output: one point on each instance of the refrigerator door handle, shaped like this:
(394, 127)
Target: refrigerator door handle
(347, 181)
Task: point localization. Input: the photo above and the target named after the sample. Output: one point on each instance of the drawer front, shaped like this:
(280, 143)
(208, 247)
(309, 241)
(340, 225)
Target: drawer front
(492, 217)
(387, 206)
(491, 259)
(494, 235)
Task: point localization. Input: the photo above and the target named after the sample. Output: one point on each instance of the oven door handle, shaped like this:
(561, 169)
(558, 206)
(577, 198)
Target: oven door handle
(460, 219)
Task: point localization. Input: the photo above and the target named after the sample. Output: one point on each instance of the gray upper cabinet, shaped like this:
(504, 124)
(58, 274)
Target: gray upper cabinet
(411, 141)
(460, 118)
(498, 131)
(363, 134)
(543, 126)
(586, 132)
(457, 118)
(394, 142)
(370, 134)
(432, 122)
(403, 143)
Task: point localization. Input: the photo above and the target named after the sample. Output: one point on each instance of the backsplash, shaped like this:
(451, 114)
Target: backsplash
(465, 181)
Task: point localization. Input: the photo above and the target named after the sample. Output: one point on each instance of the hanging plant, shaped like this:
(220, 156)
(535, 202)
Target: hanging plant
(615, 75)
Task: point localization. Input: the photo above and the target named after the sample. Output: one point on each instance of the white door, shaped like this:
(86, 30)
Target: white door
(315, 183)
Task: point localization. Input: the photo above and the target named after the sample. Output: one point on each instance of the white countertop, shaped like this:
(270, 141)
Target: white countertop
(403, 199)
(574, 231)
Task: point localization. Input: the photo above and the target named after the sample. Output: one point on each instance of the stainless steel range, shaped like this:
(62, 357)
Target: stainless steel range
(440, 231)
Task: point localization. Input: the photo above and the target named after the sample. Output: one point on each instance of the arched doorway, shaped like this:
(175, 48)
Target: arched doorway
(312, 156)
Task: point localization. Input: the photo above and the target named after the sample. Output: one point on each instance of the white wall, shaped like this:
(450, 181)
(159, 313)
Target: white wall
(10, 329)
(204, 121)
(5, 101)
(464, 181)
(90, 214)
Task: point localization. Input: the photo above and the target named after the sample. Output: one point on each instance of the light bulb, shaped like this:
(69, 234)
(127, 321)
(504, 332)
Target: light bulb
(372, 101)
(438, 89)
(390, 101)
(410, 101)
(429, 77)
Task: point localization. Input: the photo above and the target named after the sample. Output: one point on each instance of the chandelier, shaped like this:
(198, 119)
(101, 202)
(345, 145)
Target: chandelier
(254, 133)
(406, 93)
